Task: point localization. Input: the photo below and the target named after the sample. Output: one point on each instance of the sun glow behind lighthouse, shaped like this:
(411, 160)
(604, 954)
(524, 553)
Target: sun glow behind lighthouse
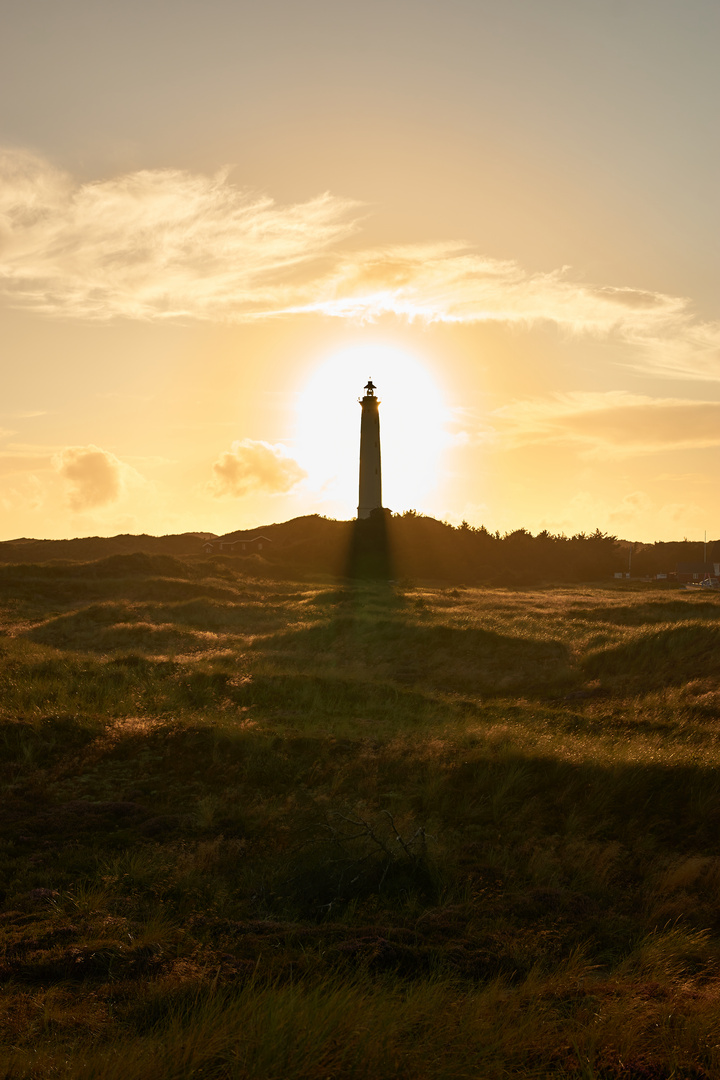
(412, 431)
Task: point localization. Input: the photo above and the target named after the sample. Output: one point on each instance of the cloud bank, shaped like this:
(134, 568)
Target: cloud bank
(255, 466)
(169, 244)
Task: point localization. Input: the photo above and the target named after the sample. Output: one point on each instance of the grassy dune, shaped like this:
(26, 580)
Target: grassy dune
(291, 830)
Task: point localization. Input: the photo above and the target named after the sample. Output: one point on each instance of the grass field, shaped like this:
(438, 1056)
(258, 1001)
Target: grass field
(307, 830)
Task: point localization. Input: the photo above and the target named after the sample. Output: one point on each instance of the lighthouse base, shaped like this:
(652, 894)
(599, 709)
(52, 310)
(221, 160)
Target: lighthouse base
(366, 511)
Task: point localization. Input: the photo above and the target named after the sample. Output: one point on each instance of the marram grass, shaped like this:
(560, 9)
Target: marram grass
(270, 829)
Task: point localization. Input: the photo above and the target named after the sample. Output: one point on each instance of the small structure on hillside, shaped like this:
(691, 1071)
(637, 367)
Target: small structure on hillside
(242, 546)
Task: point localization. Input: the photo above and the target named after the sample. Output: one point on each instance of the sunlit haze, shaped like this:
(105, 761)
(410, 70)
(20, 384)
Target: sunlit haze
(413, 428)
(217, 220)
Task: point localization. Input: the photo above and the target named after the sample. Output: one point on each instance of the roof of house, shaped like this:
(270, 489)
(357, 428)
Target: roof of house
(220, 541)
(247, 540)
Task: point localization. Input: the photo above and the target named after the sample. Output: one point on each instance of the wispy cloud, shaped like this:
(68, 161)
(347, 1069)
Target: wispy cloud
(449, 283)
(167, 244)
(255, 466)
(610, 424)
(155, 243)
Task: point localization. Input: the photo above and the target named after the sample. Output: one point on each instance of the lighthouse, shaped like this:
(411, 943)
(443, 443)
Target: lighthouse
(370, 497)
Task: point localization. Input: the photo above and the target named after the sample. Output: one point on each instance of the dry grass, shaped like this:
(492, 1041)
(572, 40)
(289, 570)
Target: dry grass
(262, 829)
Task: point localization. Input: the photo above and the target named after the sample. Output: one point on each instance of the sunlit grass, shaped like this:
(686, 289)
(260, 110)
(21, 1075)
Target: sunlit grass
(268, 829)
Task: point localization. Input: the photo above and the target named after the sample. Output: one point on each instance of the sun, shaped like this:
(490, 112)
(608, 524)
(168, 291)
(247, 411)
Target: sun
(412, 427)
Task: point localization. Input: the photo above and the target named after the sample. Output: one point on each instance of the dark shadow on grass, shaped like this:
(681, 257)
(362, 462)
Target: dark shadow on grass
(158, 627)
(350, 858)
(667, 657)
(654, 612)
(70, 591)
(369, 556)
(103, 628)
(302, 697)
(113, 567)
(452, 659)
(487, 907)
(262, 615)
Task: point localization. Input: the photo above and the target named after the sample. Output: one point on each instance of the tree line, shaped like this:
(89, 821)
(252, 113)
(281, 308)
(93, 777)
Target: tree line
(414, 546)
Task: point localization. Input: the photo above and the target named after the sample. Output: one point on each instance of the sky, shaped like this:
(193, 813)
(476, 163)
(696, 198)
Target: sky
(219, 218)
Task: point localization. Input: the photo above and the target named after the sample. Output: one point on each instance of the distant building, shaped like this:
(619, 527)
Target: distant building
(696, 571)
(623, 574)
(246, 546)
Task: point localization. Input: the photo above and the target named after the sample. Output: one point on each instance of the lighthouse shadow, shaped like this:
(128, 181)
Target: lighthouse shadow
(369, 555)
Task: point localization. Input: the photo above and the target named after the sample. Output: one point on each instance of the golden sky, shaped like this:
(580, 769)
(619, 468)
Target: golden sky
(218, 219)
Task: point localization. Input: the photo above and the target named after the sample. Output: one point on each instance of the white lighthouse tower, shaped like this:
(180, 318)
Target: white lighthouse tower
(370, 497)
